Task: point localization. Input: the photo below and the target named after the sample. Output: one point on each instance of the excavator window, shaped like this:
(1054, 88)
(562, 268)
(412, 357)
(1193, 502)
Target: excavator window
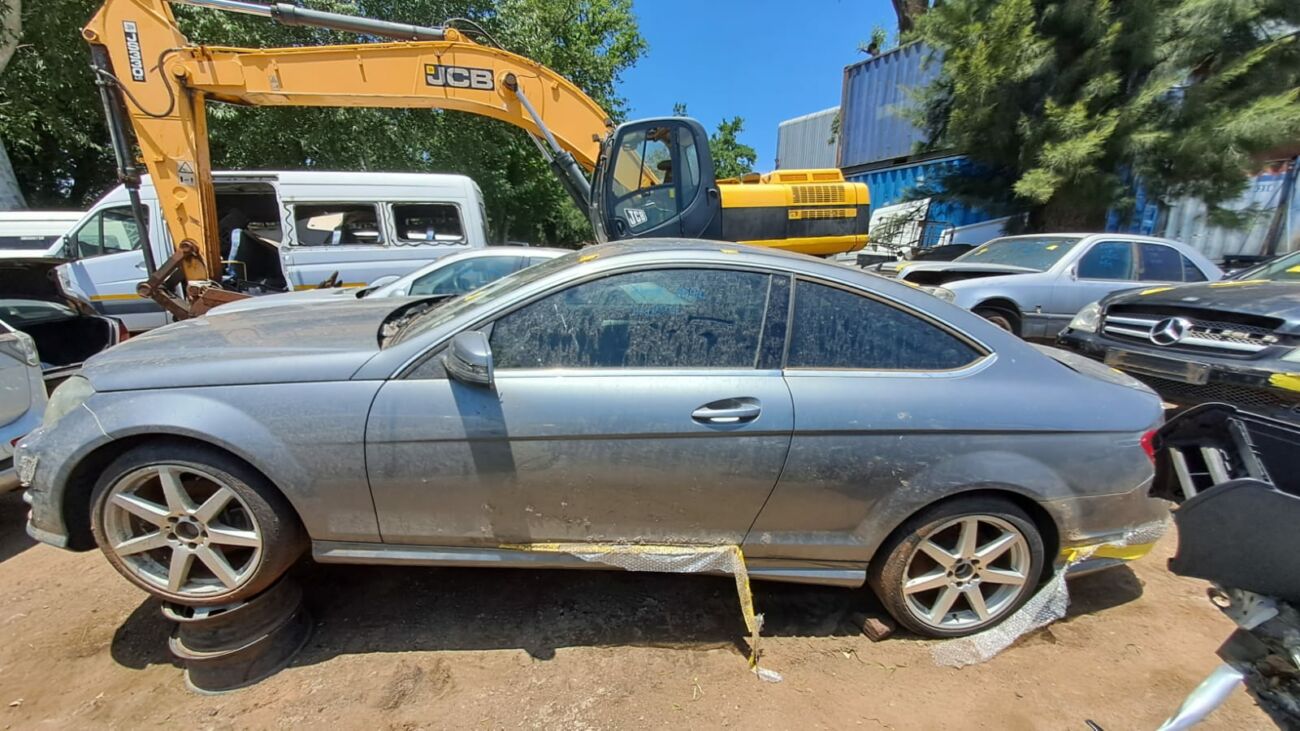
(644, 192)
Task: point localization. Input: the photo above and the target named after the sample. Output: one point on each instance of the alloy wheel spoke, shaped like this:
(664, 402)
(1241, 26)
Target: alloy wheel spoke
(975, 598)
(1002, 576)
(178, 501)
(219, 566)
(212, 507)
(989, 552)
(940, 554)
(926, 582)
(969, 536)
(178, 572)
(145, 510)
(941, 605)
(233, 537)
(140, 544)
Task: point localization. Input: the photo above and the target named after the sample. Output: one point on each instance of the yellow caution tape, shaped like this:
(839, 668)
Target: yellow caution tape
(588, 257)
(1108, 550)
(1053, 247)
(1155, 290)
(1238, 283)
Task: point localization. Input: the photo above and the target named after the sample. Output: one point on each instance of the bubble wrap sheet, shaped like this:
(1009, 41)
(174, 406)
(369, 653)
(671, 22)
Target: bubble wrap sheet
(673, 559)
(1045, 607)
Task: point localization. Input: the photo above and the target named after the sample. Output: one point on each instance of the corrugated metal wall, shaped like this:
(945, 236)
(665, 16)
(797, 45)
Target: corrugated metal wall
(873, 125)
(807, 141)
(1187, 221)
(895, 184)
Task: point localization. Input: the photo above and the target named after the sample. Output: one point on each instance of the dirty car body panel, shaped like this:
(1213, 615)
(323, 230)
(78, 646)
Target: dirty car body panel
(806, 462)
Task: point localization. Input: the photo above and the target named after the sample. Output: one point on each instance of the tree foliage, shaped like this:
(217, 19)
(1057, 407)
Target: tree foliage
(731, 157)
(51, 117)
(1060, 103)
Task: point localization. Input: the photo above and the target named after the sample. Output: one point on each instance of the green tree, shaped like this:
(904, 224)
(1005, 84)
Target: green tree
(731, 157)
(1059, 103)
(51, 119)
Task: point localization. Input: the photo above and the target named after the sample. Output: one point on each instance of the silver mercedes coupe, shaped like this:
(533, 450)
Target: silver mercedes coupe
(839, 427)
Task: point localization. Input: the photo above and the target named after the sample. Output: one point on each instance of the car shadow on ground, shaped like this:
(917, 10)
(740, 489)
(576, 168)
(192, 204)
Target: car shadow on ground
(382, 609)
(13, 525)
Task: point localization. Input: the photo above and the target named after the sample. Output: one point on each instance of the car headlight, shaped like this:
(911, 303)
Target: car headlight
(1088, 319)
(69, 395)
(943, 293)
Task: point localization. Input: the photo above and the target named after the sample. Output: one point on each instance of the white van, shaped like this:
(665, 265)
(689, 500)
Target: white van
(34, 233)
(282, 231)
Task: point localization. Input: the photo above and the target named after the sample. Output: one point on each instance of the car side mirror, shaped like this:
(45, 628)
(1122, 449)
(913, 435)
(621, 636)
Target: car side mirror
(469, 359)
(1074, 272)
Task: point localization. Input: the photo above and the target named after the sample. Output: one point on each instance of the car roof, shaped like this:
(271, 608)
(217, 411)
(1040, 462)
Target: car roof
(1082, 235)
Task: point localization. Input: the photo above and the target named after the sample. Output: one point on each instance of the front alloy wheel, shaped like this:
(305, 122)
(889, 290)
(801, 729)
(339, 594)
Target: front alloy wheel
(193, 525)
(182, 530)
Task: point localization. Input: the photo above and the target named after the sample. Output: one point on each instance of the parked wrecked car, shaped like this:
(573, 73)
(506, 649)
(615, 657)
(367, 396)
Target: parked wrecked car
(1235, 341)
(1033, 285)
(22, 397)
(452, 275)
(841, 427)
(66, 329)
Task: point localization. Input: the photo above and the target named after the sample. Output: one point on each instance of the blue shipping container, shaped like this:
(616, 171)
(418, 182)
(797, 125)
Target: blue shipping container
(874, 127)
(895, 185)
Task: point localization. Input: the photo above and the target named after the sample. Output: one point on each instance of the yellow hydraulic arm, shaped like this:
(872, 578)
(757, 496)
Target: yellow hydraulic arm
(168, 81)
(653, 177)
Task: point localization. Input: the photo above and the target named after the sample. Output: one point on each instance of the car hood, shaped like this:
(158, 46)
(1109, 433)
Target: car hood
(1259, 297)
(291, 344)
(341, 294)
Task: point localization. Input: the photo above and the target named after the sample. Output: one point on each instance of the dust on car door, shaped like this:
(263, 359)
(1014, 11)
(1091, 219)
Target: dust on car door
(643, 405)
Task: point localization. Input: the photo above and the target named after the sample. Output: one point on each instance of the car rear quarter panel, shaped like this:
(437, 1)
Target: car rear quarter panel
(870, 451)
(306, 438)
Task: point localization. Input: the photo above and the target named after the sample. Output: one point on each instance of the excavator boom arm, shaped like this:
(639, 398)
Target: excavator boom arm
(165, 82)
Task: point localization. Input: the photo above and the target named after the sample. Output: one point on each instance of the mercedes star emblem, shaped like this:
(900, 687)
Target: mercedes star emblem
(1169, 330)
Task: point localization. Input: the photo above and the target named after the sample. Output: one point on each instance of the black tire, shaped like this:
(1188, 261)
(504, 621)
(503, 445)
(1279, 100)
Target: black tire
(1005, 319)
(888, 570)
(270, 516)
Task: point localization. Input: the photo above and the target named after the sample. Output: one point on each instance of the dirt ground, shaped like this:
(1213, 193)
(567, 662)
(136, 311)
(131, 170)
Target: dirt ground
(458, 648)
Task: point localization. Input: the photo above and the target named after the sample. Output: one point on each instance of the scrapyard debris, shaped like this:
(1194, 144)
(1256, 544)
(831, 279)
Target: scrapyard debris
(876, 627)
(675, 559)
(1043, 608)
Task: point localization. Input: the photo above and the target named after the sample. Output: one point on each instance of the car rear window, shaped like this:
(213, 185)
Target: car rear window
(835, 328)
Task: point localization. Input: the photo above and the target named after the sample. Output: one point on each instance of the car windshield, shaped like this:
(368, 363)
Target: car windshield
(1032, 253)
(433, 318)
(1285, 269)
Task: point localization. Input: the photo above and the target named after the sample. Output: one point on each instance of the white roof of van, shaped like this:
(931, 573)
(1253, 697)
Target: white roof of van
(35, 216)
(322, 177)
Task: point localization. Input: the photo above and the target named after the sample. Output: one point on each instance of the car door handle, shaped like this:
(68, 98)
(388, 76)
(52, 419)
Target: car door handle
(728, 411)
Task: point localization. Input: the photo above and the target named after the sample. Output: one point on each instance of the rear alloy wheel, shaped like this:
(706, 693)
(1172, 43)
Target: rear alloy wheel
(962, 568)
(193, 531)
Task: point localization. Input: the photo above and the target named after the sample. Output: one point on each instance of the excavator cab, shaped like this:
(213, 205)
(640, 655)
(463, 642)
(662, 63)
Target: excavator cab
(655, 178)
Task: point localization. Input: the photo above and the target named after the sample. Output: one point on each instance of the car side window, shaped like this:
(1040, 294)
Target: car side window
(1107, 260)
(335, 224)
(835, 328)
(464, 276)
(1159, 263)
(109, 231)
(1191, 272)
(428, 223)
(661, 318)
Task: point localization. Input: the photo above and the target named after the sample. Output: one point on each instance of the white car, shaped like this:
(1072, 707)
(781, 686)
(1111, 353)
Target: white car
(449, 276)
(22, 397)
(1033, 285)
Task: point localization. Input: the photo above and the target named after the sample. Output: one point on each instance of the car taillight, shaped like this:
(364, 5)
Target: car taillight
(122, 332)
(1149, 445)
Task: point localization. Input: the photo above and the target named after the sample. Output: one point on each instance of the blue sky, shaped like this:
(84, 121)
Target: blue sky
(764, 60)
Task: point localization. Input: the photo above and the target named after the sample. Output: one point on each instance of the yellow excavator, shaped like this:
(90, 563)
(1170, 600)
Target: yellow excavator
(646, 178)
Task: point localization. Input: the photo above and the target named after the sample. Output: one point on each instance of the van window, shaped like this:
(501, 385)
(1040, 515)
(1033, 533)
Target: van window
(109, 231)
(428, 223)
(336, 224)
